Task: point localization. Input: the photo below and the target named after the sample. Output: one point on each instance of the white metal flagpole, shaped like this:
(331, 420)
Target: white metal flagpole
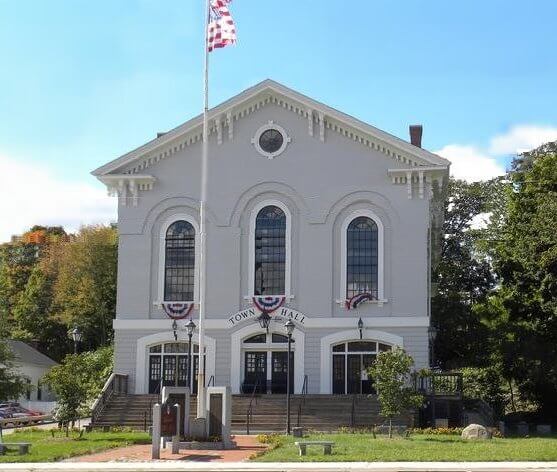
(201, 408)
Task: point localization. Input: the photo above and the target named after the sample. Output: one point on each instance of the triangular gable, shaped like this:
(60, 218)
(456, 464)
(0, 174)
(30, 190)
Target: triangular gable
(322, 119)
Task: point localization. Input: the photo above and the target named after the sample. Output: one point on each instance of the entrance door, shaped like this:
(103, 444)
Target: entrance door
(280, 371)
(338, 375)
(182, 374)
(353, 374)
(154, 374)
(169, 371)
(255, 369)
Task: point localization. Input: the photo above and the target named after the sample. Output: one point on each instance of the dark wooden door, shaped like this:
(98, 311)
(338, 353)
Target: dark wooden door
(339, 375)
(154, 374)
(169, 371)
(255, 371)
(279, 372)
(353, 373)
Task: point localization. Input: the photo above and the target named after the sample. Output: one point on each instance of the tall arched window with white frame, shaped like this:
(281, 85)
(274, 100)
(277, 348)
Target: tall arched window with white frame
(270, 252)
(362, 257)
(179, 262)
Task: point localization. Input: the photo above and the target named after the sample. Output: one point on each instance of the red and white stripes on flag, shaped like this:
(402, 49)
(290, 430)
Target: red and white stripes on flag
(221, 31)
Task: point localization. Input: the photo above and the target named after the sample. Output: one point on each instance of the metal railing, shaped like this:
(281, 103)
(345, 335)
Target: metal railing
(116, 384)
(302, 401)
(211, 381)
(440, 384)
(249, 412)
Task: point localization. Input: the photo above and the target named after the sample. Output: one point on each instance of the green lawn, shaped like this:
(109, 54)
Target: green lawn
(363, 447)
(45, 448)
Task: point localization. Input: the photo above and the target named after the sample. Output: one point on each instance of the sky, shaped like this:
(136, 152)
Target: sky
(83, 82)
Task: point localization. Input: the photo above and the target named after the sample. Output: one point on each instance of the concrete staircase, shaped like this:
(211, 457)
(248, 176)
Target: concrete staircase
(318, 412)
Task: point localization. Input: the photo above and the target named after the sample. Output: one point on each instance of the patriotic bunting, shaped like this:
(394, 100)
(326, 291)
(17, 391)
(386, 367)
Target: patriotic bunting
(221, 30)
(177, 310)
(357, 299)
(268, 304)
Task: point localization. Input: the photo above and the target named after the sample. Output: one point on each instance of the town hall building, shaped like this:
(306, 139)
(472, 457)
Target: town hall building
(312, 216)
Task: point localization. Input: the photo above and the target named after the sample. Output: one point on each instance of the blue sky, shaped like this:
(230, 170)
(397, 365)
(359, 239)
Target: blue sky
(85, 81)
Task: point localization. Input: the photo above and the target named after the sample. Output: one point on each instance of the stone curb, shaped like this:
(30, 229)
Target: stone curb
(178, 466)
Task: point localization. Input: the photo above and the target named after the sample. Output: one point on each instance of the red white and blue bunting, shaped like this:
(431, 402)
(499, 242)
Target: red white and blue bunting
(357, 299)
(268, 304)
(177, 310)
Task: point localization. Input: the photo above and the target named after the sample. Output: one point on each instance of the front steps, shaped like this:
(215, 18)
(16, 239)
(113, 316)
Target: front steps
(318, 413)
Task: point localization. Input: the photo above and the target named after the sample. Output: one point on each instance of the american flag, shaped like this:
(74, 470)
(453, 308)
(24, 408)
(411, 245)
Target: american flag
(221, 31)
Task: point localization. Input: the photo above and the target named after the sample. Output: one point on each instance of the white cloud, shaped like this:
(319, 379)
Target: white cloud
(31, 194)
(470, 163)
(522, 138)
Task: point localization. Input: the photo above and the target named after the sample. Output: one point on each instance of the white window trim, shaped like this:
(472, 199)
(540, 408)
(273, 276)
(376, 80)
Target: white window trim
(285, 140)
(162, 256)
(380, 254)
(142, 357)
(327, 343)
(237, 358)
(288, 242)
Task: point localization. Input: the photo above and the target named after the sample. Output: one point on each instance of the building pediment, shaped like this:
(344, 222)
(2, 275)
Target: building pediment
(321, 120)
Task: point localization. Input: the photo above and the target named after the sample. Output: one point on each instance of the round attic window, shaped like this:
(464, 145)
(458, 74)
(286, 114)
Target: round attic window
(270, 140)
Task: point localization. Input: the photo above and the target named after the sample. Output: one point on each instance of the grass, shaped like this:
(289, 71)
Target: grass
(418, 447)
(45, 448)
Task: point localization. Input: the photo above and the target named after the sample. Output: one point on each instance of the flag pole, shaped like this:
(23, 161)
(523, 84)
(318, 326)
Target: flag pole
(201, 408)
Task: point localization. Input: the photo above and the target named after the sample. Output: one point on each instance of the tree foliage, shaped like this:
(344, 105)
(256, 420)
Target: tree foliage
(78, 381)
(526, 263)
(12, 384)
(47, 288)
(391, 378)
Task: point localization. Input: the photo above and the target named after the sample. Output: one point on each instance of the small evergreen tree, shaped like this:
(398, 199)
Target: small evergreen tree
(391, 373)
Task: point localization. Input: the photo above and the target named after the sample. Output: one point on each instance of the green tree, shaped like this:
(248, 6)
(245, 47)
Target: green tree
(463, 276)
(391, 373)
(12, 384)
(526, 263)
(78, 381)
(85, 288)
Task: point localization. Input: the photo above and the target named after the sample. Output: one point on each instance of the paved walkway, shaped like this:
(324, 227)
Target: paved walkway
(246, 446)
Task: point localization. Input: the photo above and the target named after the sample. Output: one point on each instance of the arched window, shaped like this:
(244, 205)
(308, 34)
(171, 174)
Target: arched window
(362, 257)
(270, 251)
(179, 262)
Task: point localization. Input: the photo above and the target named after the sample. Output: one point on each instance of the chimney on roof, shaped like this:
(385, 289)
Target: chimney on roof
(161, 133)
(416, 135)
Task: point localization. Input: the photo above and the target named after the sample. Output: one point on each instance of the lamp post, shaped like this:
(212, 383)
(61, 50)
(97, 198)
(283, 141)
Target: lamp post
(190, 327)
(76, 336)
(289, 325)
(432, 335)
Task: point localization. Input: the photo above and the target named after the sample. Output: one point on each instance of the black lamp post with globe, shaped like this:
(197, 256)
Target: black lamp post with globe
(76, 336)
(190, 327)
(289, 325)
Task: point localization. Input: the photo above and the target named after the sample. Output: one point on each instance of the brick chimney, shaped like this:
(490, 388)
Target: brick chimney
(416, 135)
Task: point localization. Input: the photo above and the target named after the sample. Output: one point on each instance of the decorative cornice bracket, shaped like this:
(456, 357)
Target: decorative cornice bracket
(127, 186)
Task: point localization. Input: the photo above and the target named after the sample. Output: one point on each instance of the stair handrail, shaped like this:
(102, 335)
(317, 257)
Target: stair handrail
(249, 412)
(302, 401)
(115, 384)
(211, 381)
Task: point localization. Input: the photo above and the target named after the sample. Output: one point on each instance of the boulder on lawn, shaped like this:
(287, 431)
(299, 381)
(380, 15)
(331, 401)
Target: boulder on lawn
(475, 431)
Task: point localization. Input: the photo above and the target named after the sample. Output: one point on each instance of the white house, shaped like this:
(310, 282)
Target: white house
(307, 206)
(33, 365)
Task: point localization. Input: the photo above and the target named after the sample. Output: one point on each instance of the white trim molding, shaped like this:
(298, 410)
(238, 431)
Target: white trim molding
(162, 256)
(288, 242)
(270, 125)
(380, 254)
(236, 357)
(126, 187)
(386, 322)
(326, 380)
(142, 357)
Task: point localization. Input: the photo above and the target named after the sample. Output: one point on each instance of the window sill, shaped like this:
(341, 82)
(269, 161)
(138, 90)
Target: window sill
(249, 297)
(379, 302)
